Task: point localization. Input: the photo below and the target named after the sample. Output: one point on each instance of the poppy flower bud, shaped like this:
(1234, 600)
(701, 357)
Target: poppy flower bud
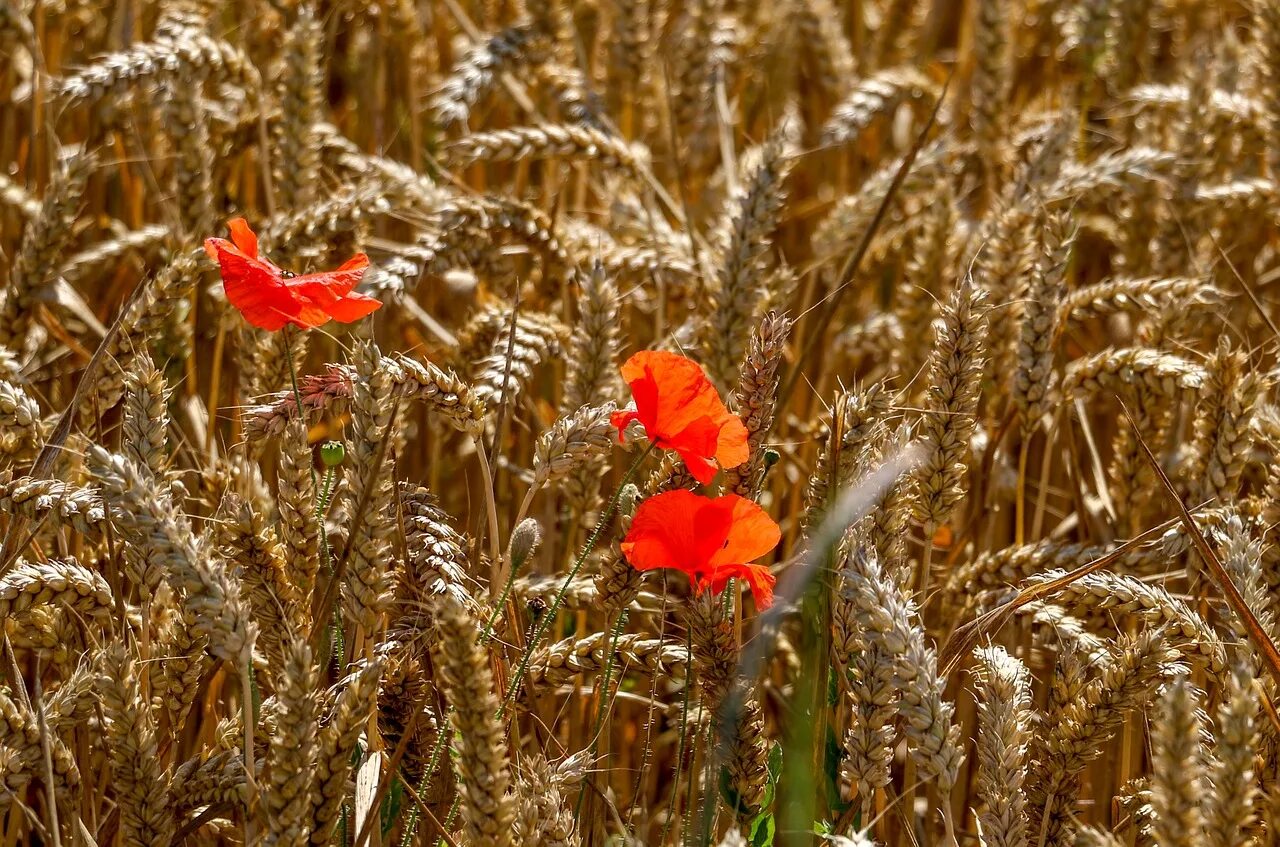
(628, 499)
(525, 538)
(332, 453)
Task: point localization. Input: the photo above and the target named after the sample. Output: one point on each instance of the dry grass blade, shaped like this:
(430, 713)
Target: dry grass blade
(10, 549)
(967, 636)
(1258, 635)
(829, 301)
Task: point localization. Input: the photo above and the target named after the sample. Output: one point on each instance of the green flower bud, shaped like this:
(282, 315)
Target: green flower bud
(524, 540)
(332, 453)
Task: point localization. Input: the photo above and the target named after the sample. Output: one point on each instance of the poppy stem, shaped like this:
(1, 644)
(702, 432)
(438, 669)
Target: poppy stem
(544, 623)
(297, 394)
(611, 647)
(684, 733)
(322, 497)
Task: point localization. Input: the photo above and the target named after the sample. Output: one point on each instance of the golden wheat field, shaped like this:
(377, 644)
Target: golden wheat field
(711, 423)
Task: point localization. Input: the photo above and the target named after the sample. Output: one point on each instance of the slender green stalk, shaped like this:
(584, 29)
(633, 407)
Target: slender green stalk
(297, 394)
(605, 679)
(545, 621)
(684, 731)
(501, 604)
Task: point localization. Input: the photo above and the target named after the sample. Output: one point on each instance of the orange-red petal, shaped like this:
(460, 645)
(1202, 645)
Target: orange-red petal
(731, 444)
(700, 467)
(353, 307)
(622, 419)
(676, 529)
(711, 540)
(681, 411)
(327, 286)
(684, 394)
(758, 578)
(752, 533)
(252, 287)
(260, 291)
(243, 237)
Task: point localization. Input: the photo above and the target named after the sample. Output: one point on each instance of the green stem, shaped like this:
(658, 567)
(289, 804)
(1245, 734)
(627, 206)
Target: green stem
(326, 491)
(297, 394)
(684, 731)
(411, 826)
(545, 622)
(502, 602)
(614, 635)
(339, 641)
(322, 502)
(448, 820)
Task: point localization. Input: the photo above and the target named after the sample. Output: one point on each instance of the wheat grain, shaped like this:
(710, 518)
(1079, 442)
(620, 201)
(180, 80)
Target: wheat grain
(875, 97)
(487, 810)
(955, 369)
(547, 141)
(43, 242)
(140, 780)
(291, 753)
(336, 742)
(1156, 605)
(64, 583)
(146, 513)
(1176, 768)
(558, 663)
(1005, 721)
(1034, 371)
(884, 617)
(1130, 674)
(296, 155)
(756, 399)
(1222, 428)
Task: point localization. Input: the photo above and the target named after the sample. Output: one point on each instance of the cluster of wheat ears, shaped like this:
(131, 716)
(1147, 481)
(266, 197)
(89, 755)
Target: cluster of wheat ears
(991, 284)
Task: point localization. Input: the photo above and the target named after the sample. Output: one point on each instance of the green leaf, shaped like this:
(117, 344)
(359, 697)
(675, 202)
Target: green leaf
(763, 830)
(831, 770)
(763, 827)
(775, 774)
(731, 797)
(392, 805)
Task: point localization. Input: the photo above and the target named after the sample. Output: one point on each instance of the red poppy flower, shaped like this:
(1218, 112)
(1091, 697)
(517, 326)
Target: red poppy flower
(681, 411)
(269, 297)
(712, 540)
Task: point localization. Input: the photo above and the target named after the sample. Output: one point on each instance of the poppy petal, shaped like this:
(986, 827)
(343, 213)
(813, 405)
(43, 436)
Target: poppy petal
(328, 286)
(700, 467)
(701, 437)
(622, 420)
(645, 393)
(758, 578)
(252, 288)
(681, 411)
(676, 529)
(751, 535)
(731, 442)
(353, 307)
(683, 392)
(310, 314)
(243, 237)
